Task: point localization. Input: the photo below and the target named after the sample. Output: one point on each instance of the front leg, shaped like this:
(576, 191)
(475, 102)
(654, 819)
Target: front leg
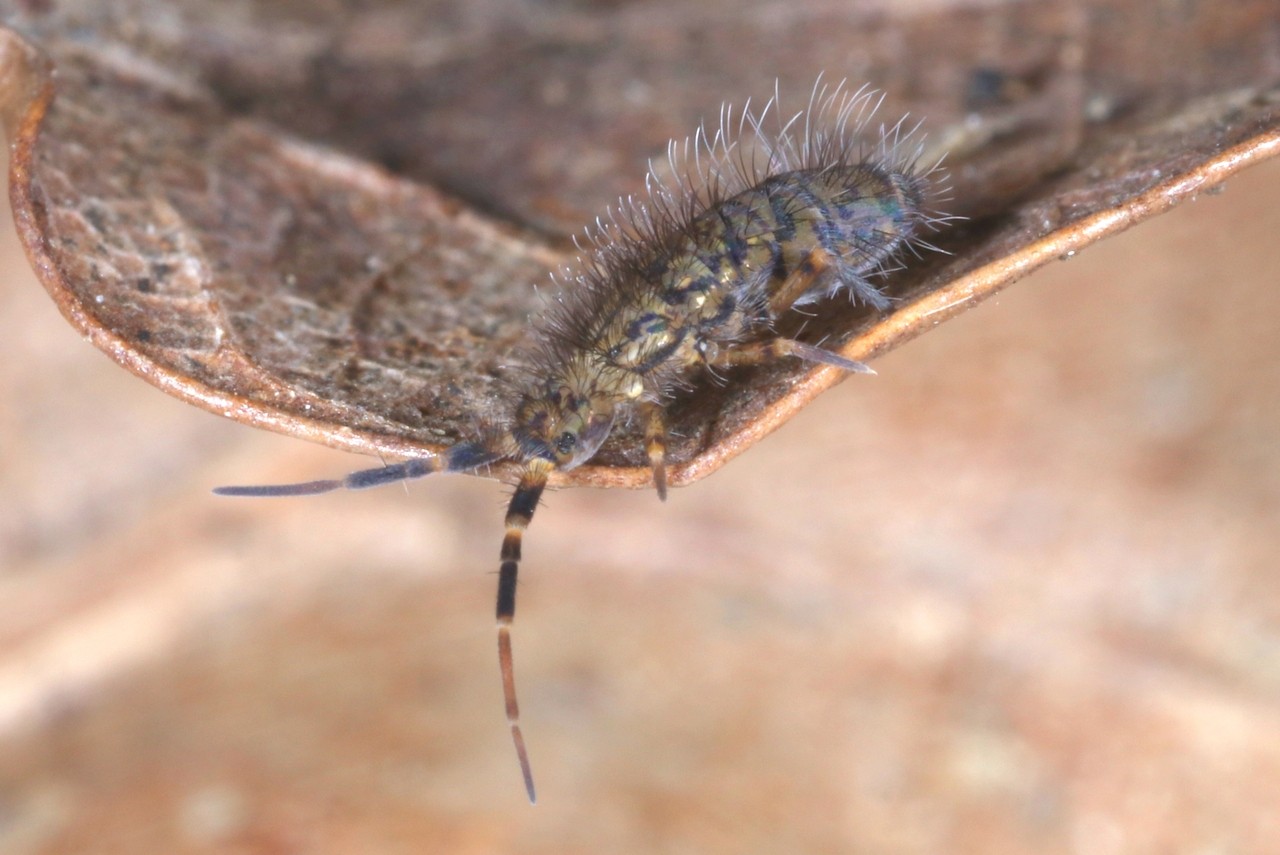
(655, 444)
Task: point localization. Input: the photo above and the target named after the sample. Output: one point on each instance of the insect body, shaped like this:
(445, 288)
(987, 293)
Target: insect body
(692, 278)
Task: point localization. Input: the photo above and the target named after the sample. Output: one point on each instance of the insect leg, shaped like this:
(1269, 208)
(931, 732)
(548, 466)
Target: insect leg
(655, 444)
(755, 353)
(519, 514)
(798, 283)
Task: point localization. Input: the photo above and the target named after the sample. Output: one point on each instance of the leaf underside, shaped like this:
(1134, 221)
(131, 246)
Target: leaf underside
(331, 219)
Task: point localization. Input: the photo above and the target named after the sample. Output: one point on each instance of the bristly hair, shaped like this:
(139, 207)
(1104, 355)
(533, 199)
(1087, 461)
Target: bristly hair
(700, 172)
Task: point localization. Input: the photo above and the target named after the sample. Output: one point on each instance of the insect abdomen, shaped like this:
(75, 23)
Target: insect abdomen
(858, 217)
(718, 282)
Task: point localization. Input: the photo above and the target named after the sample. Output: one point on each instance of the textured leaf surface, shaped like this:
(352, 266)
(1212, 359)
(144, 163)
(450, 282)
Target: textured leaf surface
(210, 202)
(1017, 594)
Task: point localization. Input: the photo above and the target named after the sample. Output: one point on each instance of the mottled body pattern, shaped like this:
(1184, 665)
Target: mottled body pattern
(725, 277)
(693, 277)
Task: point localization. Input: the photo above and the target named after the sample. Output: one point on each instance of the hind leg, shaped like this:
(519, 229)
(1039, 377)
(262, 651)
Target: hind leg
(801, 280)
(759, 352)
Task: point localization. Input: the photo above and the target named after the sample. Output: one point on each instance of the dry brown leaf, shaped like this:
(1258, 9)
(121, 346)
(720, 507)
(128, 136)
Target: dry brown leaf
(1017, 595)
(205, 201)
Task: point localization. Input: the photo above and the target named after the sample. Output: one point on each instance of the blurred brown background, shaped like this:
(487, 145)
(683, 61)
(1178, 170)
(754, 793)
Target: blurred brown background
(1018, 593)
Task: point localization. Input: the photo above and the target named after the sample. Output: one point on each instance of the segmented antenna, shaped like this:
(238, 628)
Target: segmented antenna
(463, 457)
(764, 214)
(460, 458)
(519, 514)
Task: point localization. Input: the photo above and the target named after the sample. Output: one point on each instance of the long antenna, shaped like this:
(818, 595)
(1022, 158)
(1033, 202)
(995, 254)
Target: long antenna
(463, 457)
(459, 458)
(519, 514)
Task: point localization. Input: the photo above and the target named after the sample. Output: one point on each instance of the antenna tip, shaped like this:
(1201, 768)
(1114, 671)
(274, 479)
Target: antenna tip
(525, 769)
